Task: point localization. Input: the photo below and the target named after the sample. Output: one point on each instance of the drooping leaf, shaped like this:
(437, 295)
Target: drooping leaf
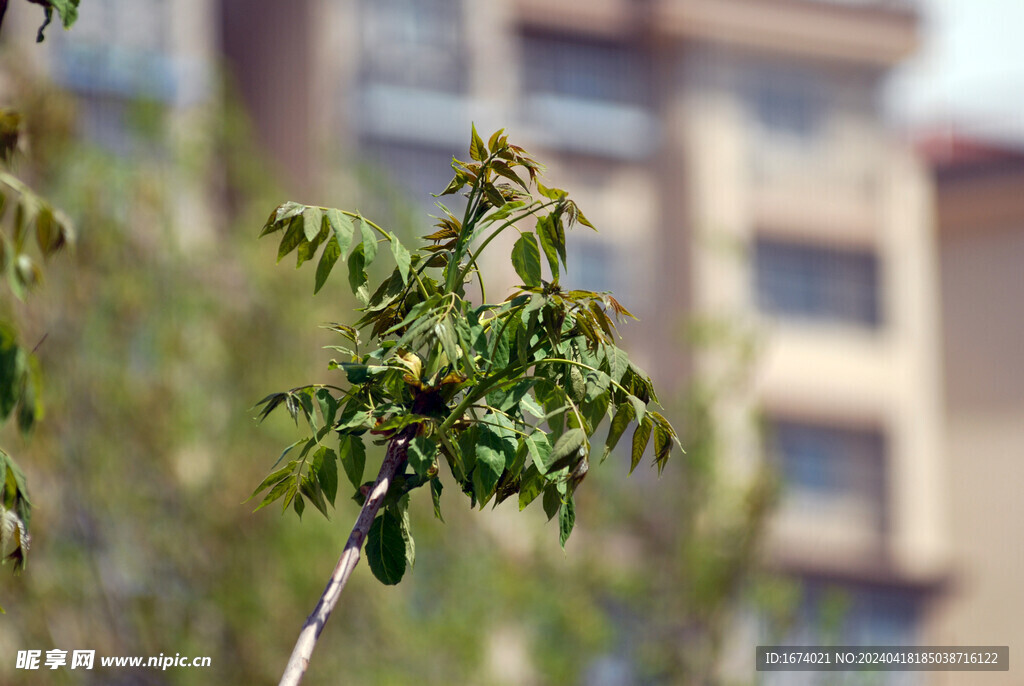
(30, 407)
(280, 489)
(385, 549)
(293, 236)
(369, 242)
(11, 371)
(526, 260)
(342, 228)
(493, 453)
(549, 242)
(566, 521)
(664, 437)
(435, 494)
(357, 272)
(639, 408)
(352, 454)
(402, 257)
(566, 450)
(539, 446)
(623, 416)
(328, 405)
(577, 386)
(272, 479)
(552, 500)
(531, 486)
(406, 527)
(445, 333)
(312, 220)
(332, 251)
(327, 473)
(641, 436)
(618, 362)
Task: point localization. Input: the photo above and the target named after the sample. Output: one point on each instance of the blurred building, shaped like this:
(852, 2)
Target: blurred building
(980, 229)
(733, 154)
(733, 151)
(734, 157)
(140, 72)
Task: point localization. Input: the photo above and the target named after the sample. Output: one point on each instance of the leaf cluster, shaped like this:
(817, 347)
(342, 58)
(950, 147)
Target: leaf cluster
(67, 10)
(507, 395)
(25, 219)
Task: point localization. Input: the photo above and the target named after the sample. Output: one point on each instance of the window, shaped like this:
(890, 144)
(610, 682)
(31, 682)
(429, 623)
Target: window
(816, 282)
(413, 43)
(787, 102)
(119, 48)
(419, 169)
(592, 266)
(831, 469)
(585, 69)
(850, 614)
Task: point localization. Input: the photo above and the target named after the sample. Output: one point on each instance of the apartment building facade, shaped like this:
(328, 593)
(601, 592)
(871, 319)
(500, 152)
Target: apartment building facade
(733, 149)
(980, 238)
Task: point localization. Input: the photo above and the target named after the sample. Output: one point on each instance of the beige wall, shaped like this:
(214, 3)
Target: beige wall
(983, 331)
(854, 188)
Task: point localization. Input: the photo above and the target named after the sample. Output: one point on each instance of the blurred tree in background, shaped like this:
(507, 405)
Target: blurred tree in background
(164, 329)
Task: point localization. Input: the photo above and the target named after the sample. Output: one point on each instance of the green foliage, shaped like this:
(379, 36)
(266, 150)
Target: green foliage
(483, 386)
(15, 511)
(27, 220)
(67, 10)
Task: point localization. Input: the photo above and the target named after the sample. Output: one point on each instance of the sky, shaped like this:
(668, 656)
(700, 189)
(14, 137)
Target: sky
(969, 70)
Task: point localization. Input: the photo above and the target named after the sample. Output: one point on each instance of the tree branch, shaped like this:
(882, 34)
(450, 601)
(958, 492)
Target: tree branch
(310, 634)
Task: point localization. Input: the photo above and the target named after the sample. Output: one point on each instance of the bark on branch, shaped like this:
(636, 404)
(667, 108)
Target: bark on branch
(310, 634)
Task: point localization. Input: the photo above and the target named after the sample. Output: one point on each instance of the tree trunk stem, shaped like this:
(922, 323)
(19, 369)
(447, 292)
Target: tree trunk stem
(310, 634)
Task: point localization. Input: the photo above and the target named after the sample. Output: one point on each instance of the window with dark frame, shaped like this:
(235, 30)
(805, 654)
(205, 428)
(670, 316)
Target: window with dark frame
(817, 282)
(414, 44)
(584, 68)
(828, 463)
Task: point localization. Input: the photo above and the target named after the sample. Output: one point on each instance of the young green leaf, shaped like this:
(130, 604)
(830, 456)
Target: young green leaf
(386, 548)
(477, 150)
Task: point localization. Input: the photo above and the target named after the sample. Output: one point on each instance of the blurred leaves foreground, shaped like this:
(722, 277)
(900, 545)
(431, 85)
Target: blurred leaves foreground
(162, 329)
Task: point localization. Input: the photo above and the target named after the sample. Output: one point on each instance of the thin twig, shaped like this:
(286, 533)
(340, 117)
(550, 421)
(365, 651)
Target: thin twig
(310, 634)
